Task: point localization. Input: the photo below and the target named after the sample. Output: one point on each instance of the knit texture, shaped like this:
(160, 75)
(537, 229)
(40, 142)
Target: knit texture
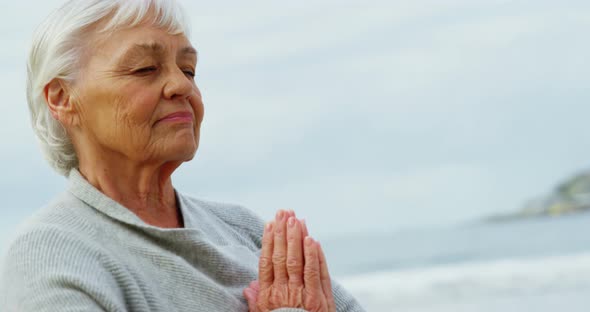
(86, 252)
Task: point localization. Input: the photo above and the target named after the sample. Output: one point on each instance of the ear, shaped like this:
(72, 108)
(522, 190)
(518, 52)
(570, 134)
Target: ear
(58, 98)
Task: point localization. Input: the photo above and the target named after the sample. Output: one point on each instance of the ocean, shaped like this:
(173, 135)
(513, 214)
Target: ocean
(540, 264)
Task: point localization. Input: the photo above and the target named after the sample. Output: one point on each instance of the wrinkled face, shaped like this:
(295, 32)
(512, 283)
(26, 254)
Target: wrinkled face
(137, 98)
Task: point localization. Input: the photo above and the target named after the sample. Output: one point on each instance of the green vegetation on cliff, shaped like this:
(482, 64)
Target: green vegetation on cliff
(571, 196)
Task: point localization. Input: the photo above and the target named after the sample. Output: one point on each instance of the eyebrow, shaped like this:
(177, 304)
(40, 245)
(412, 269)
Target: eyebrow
(153, 48)
(188, 50)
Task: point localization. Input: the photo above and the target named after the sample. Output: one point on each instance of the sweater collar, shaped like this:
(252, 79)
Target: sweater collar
(87, 193)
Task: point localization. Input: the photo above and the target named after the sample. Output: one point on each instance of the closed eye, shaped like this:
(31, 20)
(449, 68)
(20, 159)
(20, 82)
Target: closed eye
(189, 73)
(146, 70)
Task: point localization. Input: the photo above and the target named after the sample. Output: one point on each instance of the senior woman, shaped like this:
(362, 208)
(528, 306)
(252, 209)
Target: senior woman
(114, 103)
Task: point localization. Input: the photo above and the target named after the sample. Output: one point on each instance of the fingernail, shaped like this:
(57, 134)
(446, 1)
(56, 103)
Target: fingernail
(248, 292)
(291, 221)
(280, 214)
(268, 227)
(308, 241)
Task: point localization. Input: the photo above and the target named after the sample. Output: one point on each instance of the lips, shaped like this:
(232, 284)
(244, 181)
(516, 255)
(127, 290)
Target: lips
(177, 117)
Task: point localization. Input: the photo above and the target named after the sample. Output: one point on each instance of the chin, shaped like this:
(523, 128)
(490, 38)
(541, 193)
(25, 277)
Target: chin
(184, 152)
(179, 148)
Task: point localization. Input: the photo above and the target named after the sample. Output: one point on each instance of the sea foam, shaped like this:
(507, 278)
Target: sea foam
(471, 282)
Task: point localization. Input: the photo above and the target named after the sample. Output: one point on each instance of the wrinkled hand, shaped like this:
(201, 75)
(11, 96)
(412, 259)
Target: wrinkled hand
(292, 270)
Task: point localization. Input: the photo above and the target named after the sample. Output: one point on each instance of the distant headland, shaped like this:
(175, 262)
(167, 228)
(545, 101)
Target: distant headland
(571, 196)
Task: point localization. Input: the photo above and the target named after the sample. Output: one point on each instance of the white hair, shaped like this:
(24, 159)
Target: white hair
(55, 53)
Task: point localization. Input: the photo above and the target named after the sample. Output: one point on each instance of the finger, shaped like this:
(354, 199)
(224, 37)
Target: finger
(279, 254)
(250, 296)
(265, 267)
(294, 252)
(311, 271)
(325, 279)
(304, 228)
(290, 213)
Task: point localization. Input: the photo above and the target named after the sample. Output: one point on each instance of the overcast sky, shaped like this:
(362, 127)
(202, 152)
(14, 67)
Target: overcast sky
(361, 116)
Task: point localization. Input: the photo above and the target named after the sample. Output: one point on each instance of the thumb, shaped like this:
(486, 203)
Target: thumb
(250, 296)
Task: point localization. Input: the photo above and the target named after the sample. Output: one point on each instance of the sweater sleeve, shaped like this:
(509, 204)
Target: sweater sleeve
(51, 270)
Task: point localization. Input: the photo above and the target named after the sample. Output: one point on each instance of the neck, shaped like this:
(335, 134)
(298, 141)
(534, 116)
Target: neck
(145, 189)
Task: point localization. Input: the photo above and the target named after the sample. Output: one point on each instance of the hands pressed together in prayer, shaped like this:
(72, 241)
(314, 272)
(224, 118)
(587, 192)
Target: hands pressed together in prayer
(292, 269)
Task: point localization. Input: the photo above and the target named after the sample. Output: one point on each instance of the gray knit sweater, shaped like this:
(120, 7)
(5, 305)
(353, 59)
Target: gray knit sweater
(86, 252)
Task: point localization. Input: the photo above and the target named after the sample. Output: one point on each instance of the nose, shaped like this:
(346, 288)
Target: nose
(178, 85)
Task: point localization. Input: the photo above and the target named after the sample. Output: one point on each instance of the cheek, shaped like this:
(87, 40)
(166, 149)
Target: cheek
(137, 110)
(198, 107)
